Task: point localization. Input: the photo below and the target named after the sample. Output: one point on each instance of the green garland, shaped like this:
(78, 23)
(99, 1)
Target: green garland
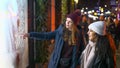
(41, 47)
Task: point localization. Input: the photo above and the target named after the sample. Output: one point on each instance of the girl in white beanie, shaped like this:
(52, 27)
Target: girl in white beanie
(98, 52)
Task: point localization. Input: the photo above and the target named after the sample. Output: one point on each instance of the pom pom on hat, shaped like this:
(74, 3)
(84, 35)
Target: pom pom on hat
(75, 16)
(99, 27)
(78, 12)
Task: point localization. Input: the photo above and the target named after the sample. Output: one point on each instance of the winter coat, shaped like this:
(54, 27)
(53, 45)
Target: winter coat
(118, 31)
(97, 61)
(57, 36)
(111, 28)
(104, 62)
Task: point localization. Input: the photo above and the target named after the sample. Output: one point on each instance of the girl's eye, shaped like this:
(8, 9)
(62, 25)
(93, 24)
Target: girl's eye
(91, 30)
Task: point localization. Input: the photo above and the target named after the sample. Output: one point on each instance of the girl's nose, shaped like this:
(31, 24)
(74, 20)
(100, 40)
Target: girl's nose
(88, 32)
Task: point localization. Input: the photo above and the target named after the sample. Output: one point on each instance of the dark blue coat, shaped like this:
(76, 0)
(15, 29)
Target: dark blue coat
(57, 35)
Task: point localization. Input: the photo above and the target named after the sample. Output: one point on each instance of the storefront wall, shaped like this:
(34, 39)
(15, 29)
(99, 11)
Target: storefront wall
(22, 44)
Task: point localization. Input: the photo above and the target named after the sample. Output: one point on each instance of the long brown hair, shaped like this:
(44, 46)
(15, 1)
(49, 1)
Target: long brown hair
(71, 36)
(75, 31)
(105, 47)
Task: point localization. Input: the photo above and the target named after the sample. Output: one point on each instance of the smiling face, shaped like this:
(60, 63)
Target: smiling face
(92, 35)
(68, 24)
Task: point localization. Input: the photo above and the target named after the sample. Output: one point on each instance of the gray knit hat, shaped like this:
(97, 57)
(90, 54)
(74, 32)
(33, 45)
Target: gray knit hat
(99, 27)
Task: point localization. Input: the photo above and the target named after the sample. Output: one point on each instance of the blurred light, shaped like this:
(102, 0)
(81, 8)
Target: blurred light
(108, 12)
(76, 1)
(116, 9)
(102, 14)
(93, 11)
(98, 14)
(85, 12)
(105, 5)
(93, 17)
(89, 12)
(82, 10)
(116, 2)
(97, 11)
(101, 9)
(118, 16)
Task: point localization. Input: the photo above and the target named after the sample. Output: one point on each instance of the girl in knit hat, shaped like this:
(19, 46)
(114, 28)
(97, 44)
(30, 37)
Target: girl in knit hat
(68, 43)
(98, 52)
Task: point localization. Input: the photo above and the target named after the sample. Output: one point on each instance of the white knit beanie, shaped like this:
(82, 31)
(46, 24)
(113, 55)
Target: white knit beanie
(99, 27)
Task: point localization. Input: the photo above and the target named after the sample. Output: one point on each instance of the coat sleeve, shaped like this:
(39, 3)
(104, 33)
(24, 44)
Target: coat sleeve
(45, 35)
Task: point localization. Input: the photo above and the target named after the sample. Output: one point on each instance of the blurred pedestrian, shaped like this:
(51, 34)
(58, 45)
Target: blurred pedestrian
(117, 35)
(101, 18)
(110, 26)
(84, 25)
(90, 20)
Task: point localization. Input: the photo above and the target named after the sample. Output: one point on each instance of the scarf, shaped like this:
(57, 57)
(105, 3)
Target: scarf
(88, 55)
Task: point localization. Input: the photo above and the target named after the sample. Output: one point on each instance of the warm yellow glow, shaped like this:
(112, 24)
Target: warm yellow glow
(76, 1)
(95, 13)
(101, 9)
